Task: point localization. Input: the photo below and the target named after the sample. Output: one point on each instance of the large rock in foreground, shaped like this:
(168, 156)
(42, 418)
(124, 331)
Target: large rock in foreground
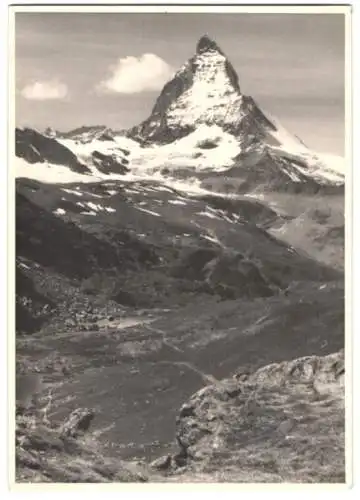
(283, 423)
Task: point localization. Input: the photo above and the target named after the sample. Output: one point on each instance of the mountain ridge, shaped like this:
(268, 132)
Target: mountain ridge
(200, 121)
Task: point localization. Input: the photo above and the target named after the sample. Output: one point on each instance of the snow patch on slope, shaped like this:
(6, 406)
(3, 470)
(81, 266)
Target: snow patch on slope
(72, 191)
(60, 211)
(335, 162)
(95, 207)
(148, 211)
(188, 152)
(106, 147)
(49, 173)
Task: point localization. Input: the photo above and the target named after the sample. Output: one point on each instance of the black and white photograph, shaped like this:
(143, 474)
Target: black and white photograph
(180, 180)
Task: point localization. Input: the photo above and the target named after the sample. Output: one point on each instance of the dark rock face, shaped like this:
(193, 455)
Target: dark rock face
(108, 164)
(206, 44)
(106, 136)
(252, 108)
(38, 148)
(155, 128)
(269, 174)
(229, 275)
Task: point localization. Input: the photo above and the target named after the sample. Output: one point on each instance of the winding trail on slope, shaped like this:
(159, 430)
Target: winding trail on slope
(136, 397)
(207, 378)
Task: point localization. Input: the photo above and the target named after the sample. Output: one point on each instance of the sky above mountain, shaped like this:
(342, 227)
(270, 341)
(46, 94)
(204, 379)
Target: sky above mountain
(76, 69)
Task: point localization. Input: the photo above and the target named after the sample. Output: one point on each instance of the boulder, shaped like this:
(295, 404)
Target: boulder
(77, 423)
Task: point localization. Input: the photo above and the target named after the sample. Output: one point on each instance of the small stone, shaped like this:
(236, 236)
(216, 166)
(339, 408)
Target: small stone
(180, 460)
(187, 411)
(162, 463)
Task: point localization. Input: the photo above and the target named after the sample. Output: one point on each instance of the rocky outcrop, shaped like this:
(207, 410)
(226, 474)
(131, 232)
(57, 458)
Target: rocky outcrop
(283, 423)
(78, 422)
(108, 164)
(226, 273)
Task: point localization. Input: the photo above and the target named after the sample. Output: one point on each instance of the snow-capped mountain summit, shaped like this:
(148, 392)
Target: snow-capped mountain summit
(201, 125)
(205, 90)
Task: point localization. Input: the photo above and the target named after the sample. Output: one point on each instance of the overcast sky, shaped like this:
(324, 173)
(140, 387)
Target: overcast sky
(74, 69)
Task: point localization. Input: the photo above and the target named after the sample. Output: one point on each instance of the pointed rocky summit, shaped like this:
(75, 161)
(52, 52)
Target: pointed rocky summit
(205, 90)
(205, 44)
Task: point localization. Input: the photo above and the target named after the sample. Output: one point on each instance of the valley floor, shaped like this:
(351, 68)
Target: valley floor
(136, 373)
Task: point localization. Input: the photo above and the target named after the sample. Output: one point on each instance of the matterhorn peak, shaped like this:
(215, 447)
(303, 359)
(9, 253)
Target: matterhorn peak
(206, 44)
(205, 94)
(204, 91)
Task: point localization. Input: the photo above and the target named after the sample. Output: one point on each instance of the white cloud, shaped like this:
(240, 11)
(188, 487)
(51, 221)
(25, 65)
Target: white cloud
(131, 75)
(41, 91)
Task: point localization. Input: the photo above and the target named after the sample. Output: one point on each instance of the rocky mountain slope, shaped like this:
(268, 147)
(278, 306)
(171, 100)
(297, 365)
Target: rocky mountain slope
(154, 246)
(35, 147)
(204, 241)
